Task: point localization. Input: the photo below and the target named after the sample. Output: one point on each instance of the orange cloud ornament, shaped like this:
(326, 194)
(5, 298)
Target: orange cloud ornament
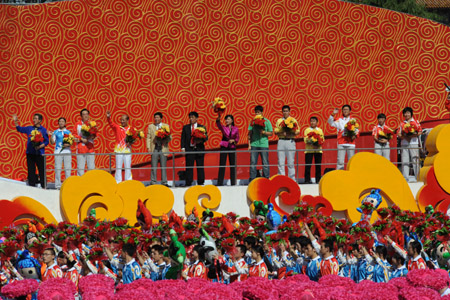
(366, 171)
(436, 170)
(23, 209)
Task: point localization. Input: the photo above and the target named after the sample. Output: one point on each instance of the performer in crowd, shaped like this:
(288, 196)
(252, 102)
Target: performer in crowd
(230, 138)
(122, 148)
(85, 147)
(259, 132)
(36, 142)
(410, 130)
(62, 151)
(158, 147)
(193, 138)
(346, 137)
(286, 129)
(314, 138)
(381, 140)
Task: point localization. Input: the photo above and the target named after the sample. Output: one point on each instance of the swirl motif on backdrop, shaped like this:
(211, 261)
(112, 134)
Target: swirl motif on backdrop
(138, 57)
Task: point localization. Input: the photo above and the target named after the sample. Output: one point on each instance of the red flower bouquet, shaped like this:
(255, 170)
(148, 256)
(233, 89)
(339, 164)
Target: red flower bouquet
(19, 288)
(387, 133)
(132, 135)
(199, 133)
(89, 129)
(314, 138)
(218, 105)
(36, 138)
(410, 128)
(259, 122)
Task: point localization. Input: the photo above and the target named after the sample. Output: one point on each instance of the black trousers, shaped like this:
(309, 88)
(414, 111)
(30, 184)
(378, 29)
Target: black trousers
(199, 160)
(317, 163)
(223, 162)
(34, 160)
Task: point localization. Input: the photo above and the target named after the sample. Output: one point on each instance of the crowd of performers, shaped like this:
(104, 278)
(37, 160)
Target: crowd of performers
(228, 248)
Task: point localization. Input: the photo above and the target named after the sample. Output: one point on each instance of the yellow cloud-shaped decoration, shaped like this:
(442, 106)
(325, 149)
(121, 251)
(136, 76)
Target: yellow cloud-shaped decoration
(98, 189)
(366, 171)
(438, 146)
(210, 198)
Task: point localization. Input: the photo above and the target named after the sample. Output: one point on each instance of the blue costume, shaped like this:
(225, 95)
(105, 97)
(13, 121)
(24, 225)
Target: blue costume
(400, 272)
(58, 136)
(313, 268)
(131, 272)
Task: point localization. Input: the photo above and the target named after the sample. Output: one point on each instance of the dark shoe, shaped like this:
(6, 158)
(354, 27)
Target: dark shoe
(200, 183)
(166, 185)
(308, 182)
(219, 184)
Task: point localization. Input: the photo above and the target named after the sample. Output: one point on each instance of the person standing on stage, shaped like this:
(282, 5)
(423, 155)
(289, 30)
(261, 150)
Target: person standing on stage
(258, 138)
(62, 151)
(230, 138)
(193, 138)
(314, 138)
(410, 130)
(286, 142)
(85, 147)
(158, 148)
(122, 148)
(35, 148)
(346, 138)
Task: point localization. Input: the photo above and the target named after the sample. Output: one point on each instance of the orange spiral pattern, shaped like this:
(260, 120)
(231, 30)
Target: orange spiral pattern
(139, 57)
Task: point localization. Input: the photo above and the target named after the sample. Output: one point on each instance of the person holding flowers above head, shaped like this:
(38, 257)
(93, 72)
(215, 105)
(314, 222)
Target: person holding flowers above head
(123, 145)
(158, 138)
(314, 139)
(197, 267)
(62, 139)
(259, 131)
(230, 138)
(85, 133)
(286, 129)
(347, 132)
(382, 135)
(131, 270)
(193, 138)
(413, 255)
(410, 130)
(37, 140)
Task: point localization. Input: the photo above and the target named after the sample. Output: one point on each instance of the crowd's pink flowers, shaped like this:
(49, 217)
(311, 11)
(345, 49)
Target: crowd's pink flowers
(20, 288)
(57, 289)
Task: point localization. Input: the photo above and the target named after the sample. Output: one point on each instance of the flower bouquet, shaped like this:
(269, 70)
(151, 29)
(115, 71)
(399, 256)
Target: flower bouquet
(387, 133)
(162, 133)
(20, 289)
(410, 128)
(68, 140)
(8, 249)
(314, 138)
(218, 105)
(259, 122)
(36, 138)
(288, 125)
(132, 135)
(198, 135)
(351, 129)
(89, 129)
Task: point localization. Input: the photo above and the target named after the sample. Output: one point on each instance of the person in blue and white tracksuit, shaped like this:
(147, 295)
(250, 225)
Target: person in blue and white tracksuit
(62, 152)
(131, 270)
(311, 267)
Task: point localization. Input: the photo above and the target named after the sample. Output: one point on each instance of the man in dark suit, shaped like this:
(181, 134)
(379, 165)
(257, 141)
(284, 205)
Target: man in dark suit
(190, 144)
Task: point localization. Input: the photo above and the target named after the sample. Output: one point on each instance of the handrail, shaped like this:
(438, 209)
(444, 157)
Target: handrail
(172, 155)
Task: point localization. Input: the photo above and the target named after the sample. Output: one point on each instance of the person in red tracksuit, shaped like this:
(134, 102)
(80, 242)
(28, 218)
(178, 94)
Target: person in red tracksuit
(121, 148)
(258, 269)
(197, 269)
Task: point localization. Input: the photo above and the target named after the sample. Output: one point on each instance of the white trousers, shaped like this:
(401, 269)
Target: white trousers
(59, 160)
(82, 159)
(383, 150)
(123, 159)
(286, 149)
(410, 156)
(342, 150)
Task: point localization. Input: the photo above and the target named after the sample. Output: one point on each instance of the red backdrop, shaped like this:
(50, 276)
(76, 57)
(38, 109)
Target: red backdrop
(139, 57)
